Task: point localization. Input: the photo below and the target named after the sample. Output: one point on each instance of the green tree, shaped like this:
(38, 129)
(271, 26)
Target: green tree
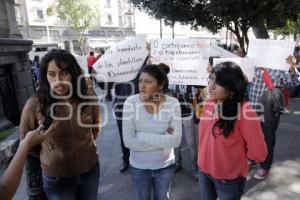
(291, 28)
(80, 15)
(238, 16)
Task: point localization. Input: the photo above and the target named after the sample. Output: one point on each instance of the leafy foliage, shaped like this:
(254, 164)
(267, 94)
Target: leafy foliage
(79, 13)
(290, 28)
(236, 15)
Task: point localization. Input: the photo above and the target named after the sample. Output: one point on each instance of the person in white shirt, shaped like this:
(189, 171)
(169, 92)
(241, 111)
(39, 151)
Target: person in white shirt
(152, 128)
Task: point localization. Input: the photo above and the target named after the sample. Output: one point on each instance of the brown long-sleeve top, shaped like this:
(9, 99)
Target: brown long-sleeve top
(70, 149)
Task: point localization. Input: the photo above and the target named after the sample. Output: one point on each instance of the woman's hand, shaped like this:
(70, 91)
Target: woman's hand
(291, 60)
(35, 137)
(170, 130)
(209, 69)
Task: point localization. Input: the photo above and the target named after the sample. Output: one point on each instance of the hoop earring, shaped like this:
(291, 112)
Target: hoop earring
(156, 97)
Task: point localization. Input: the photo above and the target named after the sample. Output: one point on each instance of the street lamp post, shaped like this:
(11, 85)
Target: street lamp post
(48, 31)
(160, 23)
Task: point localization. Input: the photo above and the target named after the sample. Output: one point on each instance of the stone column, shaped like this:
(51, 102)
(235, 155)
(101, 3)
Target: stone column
(11, 19)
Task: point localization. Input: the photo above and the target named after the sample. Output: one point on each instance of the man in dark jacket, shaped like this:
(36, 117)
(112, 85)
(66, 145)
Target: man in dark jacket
(185, 97)
(122, 91)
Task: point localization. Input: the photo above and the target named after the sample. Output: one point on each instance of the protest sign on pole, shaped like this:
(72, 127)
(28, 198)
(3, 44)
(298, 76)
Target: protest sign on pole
(271, 53)
(246, 64)
(217, 51)
(187, 59)
(122, 62)
(82, 61)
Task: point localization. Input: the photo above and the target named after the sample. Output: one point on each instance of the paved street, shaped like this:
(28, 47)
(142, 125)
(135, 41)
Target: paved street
(282, 184)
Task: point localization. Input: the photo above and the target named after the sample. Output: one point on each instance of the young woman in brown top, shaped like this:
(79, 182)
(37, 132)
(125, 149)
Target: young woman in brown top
(69, 162)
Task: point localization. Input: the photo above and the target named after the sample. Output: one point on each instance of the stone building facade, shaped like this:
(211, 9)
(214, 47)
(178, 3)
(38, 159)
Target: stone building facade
(16, 83)
(115, 22)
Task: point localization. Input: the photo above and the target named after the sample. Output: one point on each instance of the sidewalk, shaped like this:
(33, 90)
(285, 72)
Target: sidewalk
(283, 183)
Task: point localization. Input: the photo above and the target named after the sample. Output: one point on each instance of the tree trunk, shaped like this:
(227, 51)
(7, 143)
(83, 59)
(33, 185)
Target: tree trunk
(239, 37)
(160, 28)
(246, 39)
(81, 38)
(260, 30)
(173, 24)
(261, 33)
(242, 46)
(297, 30)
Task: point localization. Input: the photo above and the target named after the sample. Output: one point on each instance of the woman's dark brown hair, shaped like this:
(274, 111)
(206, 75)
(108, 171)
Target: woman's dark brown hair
(65, 61)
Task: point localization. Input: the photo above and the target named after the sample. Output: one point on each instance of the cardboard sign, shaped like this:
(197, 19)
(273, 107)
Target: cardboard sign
(122, 62)
(246, 64)
(187, 59)
(220, 52)
(82, 61)
(271, 53)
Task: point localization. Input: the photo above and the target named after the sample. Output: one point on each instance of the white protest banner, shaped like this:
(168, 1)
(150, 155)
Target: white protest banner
(187, 59)
(122, 62)
(82, 61)
(217, 51)
(271, 53)
(246, 64)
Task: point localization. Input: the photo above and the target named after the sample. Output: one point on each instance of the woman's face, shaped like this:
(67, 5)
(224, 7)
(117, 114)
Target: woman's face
(220, 93)
(148, 86)
(59, 80)
(209, 68)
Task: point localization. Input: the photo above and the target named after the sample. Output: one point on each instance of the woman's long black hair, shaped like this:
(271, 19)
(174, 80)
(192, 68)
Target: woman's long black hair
(230, 76)
(65, 61)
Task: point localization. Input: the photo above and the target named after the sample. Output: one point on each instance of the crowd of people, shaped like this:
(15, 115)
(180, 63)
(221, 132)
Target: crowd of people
(217, 122)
